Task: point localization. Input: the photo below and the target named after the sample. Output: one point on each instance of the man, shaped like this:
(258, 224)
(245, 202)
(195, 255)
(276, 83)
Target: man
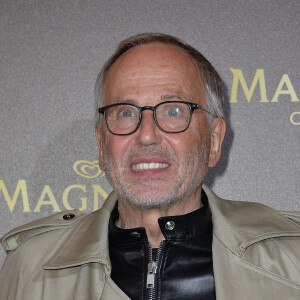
(161, 234)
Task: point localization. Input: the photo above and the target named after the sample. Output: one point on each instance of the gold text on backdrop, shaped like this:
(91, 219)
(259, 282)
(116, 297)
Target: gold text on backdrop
(284, 87)
(83, 168)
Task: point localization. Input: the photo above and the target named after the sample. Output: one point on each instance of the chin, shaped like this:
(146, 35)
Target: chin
(150, 199)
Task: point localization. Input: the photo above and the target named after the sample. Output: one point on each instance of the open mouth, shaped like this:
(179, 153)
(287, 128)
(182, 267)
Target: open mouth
(149, 166)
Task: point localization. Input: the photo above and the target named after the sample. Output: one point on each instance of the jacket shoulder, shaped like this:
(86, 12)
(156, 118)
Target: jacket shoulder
(250, 216)
(16, 237)
(292, 215)
(240, 224)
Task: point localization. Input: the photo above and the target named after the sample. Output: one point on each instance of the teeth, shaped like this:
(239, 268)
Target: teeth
(148, 166)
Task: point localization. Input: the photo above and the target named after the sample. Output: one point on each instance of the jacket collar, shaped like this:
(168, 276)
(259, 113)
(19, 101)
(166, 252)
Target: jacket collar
(87, 242)
(187, 226)
(238, 224)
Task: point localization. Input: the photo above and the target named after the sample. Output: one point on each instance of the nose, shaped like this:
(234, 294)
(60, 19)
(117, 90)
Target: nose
(148, 132)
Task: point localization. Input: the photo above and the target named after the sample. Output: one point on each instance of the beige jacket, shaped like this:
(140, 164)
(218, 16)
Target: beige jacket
(256, 255)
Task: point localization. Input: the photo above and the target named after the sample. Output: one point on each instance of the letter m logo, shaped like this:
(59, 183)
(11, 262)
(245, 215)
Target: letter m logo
(21, 189)
(238, 76)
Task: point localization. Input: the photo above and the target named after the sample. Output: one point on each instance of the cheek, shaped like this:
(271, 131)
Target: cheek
(199, 132)
(193, 136)
(183, 143)
(116, 147)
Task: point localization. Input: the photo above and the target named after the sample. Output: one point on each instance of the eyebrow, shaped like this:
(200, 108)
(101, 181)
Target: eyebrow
(121, 100)
(168, 97)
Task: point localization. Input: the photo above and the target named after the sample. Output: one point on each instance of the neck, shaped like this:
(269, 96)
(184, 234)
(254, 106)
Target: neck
(132, 216)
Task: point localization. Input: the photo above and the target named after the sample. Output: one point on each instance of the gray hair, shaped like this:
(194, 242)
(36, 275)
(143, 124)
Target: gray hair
(210, 77)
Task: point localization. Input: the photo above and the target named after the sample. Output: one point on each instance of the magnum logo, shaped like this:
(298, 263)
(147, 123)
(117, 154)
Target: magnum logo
(87, 169)
(82, 168)
(284, 87)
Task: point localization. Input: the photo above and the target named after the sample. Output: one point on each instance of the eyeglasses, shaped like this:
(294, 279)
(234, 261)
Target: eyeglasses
(169, 116)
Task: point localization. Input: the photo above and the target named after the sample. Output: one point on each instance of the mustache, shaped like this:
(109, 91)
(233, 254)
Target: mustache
(168, 154)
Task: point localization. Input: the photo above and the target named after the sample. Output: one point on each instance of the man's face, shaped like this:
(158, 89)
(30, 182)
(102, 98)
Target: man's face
(151, 168)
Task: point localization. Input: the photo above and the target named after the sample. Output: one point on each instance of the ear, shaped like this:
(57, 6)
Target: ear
(97, 133)
(217, 136)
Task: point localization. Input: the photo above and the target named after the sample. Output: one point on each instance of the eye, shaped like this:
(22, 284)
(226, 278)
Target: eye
(126, 112)
(173, 111)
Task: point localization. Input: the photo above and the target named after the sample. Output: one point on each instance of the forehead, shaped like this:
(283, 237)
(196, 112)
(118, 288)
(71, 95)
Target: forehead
(153, 70)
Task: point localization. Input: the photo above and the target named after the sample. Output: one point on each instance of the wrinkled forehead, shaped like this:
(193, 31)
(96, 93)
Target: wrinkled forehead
(153, 67)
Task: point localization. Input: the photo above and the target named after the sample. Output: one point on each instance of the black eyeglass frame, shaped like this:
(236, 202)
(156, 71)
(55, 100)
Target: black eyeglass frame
(192, 107)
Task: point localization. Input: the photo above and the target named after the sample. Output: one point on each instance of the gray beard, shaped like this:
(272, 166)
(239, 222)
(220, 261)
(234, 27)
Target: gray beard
(144, 200)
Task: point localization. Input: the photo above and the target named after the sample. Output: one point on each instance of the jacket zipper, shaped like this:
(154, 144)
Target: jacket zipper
(152, 269)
